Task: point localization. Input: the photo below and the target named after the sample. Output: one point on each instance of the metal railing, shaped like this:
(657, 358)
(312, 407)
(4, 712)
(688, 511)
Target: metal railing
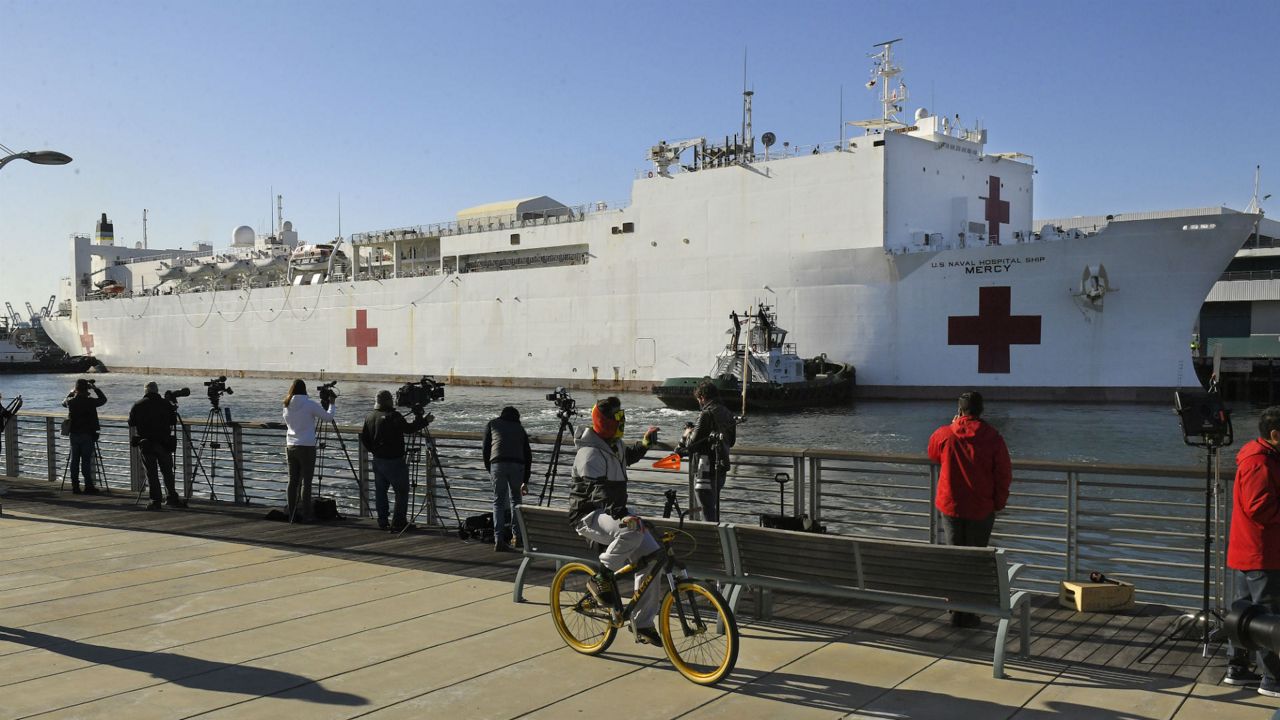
(1142, 524)
(556, 216)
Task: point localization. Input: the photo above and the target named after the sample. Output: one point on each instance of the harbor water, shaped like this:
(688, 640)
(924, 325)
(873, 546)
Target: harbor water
(1106, 433)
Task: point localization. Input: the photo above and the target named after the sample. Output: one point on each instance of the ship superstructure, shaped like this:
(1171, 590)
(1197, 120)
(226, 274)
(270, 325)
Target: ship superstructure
(907, 251)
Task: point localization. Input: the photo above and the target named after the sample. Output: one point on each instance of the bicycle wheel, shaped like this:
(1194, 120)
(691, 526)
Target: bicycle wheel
(585, 625)
(699, 632)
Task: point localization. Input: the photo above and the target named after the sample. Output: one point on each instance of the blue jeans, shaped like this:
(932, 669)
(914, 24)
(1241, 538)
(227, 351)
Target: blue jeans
(1262, 587)
(507, 479)
(82, 449)
(394, 473)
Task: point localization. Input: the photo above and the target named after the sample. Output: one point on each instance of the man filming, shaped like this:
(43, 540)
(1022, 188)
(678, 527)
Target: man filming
(509, 461)
(82, 430)
(710, 440)
(152, 419)
(383, 436)
(598, 507)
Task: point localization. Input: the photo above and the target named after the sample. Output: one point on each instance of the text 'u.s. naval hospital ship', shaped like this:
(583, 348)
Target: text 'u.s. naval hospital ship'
(907, 251)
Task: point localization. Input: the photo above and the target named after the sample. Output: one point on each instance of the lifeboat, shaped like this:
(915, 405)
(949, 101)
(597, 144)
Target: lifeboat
(310, 258)
(169, 272)
(232, 268)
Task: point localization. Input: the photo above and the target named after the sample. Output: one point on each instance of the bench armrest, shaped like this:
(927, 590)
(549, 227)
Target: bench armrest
(1014, 570)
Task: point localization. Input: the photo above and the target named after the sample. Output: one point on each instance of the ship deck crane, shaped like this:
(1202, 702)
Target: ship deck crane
(665, 154)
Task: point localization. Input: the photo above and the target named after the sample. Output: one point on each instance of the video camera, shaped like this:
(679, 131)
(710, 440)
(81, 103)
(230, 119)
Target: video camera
(329, 392)
(416, 396)
(173, 395)
(217, 387)
(566, 406)
(1253, 627)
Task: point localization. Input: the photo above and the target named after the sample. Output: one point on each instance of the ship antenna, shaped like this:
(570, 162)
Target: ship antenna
(144, 228)
(748, 142)
(279, 214)
(882, 72)
(1255, 205)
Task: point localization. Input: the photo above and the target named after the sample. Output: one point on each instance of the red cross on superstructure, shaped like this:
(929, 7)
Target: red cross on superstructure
(362, 337)
(997, 210)
(86, 339)
(993, 329)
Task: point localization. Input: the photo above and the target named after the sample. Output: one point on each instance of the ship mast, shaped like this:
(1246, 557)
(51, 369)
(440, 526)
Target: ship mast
(883, 71)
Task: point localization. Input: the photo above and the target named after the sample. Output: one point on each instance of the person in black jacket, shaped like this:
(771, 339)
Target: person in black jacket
(82, 428)
(383, 436)
(710, 440)
(509, 461)
(152, 419)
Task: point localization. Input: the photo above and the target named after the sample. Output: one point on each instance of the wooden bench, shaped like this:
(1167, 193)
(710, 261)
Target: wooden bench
(963, 579)
(548, 535)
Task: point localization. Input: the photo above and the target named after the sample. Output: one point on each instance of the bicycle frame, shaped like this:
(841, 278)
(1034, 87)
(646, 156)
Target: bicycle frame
(666, 565)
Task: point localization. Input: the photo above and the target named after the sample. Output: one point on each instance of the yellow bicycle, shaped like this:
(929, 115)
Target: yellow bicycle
(699, 632)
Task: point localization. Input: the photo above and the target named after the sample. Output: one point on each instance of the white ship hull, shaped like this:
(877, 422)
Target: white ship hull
(883, 255)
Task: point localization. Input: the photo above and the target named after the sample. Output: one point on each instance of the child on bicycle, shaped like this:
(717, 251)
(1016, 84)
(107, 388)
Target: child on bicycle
(598, 507)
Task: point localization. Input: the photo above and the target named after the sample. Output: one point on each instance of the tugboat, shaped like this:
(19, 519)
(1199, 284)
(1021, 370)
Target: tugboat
(21, 352)
(777, 378)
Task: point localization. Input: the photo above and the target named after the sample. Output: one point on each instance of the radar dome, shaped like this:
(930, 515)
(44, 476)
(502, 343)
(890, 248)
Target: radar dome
(243, 236)
(288, 225)
(921, 113)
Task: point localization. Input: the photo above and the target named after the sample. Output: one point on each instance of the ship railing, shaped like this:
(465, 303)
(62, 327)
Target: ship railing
(1143, 524)
(1250, 275)
(570, 214)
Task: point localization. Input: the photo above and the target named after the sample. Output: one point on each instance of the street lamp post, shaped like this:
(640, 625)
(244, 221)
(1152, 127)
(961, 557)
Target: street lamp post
(39, 157)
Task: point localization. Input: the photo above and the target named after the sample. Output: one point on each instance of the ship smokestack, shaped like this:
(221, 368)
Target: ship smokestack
(105, 233)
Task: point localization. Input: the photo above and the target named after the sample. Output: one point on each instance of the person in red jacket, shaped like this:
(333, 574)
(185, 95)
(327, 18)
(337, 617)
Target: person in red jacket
(1254, 547)
(974, 481)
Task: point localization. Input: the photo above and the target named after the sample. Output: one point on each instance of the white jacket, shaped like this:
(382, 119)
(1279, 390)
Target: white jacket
(301, 416)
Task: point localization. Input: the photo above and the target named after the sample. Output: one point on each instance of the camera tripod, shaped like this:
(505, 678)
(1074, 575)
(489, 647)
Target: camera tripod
(214, 432)
(553, 465)
(414, 446)
(99, 470)
(322, 441)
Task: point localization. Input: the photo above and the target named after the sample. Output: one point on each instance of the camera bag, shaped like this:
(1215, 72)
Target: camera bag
(325, 508)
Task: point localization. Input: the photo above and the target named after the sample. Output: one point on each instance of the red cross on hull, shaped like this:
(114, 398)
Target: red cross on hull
(997, 210)
(86, 338)
(993, 329)
(362, 337)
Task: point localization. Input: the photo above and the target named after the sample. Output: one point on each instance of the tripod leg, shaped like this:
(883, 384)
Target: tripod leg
(99, 469)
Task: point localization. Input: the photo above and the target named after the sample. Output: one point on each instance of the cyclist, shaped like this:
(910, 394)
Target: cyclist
(598, 508)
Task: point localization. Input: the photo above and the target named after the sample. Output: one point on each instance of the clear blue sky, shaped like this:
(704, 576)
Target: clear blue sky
(411, 111)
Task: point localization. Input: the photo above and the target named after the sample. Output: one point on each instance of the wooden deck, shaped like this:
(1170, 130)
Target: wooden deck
(817, 657)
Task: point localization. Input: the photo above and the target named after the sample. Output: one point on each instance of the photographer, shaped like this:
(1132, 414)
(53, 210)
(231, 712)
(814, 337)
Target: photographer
(300, 416)
(82, 429)
(509, 461)
(383, 436)
(598, 507)
(152, 419)
(712, 436)
(1254, 546)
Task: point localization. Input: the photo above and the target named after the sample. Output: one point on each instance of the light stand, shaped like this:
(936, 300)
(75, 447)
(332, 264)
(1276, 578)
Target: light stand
(1205, 424)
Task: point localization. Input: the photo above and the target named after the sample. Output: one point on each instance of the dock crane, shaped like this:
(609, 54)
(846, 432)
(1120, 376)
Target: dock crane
(31, 313)
(13, 316)
(47, 310)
